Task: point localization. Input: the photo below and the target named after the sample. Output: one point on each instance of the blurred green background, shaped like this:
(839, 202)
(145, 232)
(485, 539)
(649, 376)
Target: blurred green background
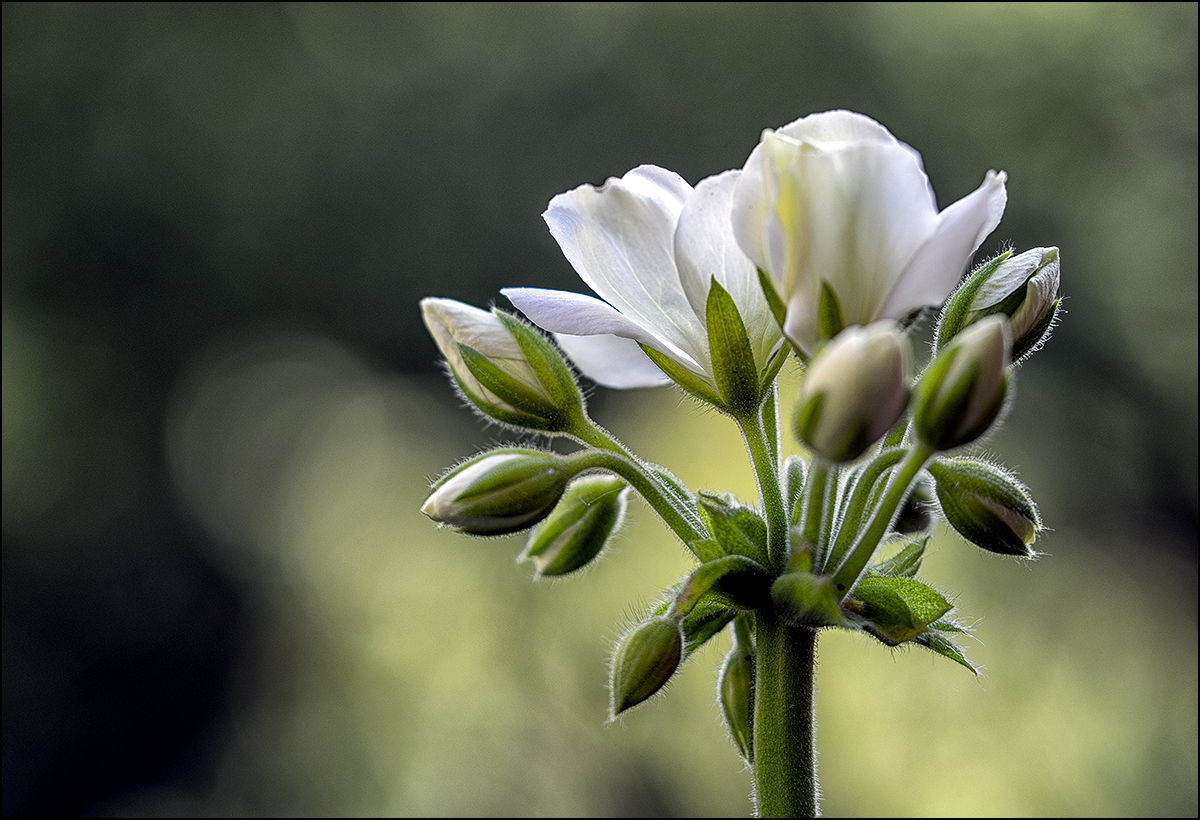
(221, 409)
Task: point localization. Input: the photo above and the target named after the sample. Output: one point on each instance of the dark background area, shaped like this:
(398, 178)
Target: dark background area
(218, 221)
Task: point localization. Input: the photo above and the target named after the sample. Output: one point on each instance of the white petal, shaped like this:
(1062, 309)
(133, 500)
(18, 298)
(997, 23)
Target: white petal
(620, 240)
(612, 361)
(705, 248)
(869, 209)
(1013, 273)
(830, 128)
(941, 261)
(753, 207)
(573, 313)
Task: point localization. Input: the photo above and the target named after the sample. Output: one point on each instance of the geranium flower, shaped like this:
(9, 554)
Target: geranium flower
(649, 245)
(834, 204)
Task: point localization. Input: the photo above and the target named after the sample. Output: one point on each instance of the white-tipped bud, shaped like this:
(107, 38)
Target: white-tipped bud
(854, 391)
(987, 506)
(1023, 287)
(498, 492)
(504, 367)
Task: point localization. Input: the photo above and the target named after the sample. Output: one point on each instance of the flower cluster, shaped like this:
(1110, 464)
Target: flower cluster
(826, 244)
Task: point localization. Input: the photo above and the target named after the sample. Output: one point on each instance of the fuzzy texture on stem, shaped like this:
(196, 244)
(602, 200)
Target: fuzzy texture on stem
(785, 757)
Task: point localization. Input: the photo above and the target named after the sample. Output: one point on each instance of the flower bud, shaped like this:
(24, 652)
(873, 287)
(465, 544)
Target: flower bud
(735, 687)
(504, 367)
(498, 492)
(579, 527)
(854, 391)
(987, 506)
(961, 394)
(645, 660)
(1024, 288)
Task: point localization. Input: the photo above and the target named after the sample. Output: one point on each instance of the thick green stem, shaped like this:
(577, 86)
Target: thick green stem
(763, 445)
(860, 554)
(785, 760)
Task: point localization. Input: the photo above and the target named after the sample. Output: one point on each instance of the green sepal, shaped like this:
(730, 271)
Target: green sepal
(721, 572)
(954, 314)
(706, 620)
(829, 314)
(508, 388)
(904, 564)
(774, 365)
(689, 381)
(504, 415)
(734, 369)
(737, 528)
(547, 363)
(946, 648)
(897, 609)
(778, 308)
(804, 599)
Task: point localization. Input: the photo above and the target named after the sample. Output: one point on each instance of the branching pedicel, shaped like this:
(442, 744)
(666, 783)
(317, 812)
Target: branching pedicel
(825, 245)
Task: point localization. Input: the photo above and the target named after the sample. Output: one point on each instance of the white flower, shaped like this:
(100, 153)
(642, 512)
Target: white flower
(835, 200)
(649, 245)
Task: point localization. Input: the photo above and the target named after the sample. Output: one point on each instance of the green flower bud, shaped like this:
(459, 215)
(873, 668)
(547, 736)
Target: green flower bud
(962, 392)
(1024, 288)
(735, 688)
(579, 527)
(854, 391)
(508, 370)
(987, 506)
(645, 660)
(498, 492)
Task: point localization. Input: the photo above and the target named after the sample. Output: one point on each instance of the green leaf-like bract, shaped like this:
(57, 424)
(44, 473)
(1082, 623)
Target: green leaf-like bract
(734, 368)
(898, 609)
(737, 528)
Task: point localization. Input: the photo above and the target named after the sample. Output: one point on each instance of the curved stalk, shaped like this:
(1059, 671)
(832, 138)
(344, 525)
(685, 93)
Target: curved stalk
(851, 569)
(682, 518)
(763, 446)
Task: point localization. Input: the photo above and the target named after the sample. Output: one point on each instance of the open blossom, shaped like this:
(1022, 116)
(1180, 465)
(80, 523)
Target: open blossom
(649, 245)
(833, 203)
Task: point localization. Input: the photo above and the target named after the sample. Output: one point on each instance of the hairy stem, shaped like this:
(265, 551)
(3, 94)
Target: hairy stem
(785, 761)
